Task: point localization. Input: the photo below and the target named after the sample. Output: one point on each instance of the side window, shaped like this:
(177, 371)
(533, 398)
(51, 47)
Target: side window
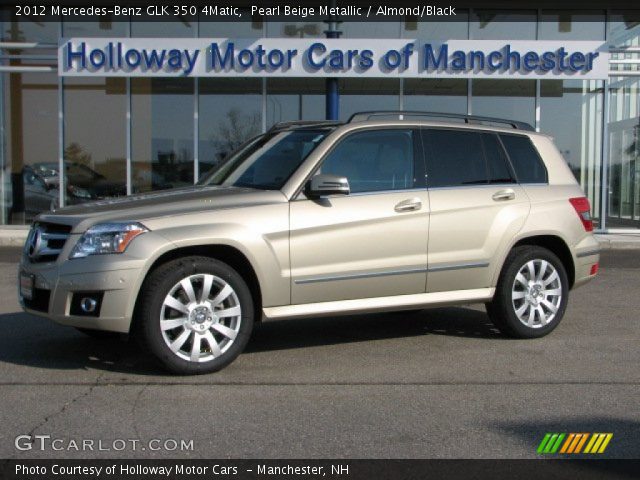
(497, 165)
(454, 158)
(373, 161)
(525, 159)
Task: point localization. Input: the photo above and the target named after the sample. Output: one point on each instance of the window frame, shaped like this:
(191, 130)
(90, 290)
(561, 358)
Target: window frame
(481, 132)
(419, 179)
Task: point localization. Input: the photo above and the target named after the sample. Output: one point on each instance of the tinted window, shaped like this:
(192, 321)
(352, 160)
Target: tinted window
(525, 159)
(497, 165)
(373, 161)
(454, 157)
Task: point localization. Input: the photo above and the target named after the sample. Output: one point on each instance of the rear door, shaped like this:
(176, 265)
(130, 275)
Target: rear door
(476, 207)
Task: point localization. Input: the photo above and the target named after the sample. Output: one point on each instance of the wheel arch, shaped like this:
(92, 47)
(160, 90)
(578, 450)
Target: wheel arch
(224, 253)
(553, 243)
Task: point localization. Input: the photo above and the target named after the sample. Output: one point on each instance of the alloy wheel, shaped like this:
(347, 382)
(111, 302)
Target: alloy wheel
(536, 293)
(200, 317)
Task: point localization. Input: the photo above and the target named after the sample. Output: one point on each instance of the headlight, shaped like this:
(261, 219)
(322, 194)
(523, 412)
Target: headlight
(107, 238)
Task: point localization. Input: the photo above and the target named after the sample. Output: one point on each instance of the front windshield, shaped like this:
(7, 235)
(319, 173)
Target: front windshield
(267, 161)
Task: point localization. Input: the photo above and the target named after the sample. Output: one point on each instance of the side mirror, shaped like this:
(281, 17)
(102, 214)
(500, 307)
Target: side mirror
(323, 185)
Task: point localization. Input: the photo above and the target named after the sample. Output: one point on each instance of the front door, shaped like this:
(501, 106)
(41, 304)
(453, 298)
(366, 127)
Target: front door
(372, 242)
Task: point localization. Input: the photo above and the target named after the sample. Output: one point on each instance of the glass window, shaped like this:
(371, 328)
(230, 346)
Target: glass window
(229, 114)
(435, 95)
(374, 160)
(525, 159)
(503, 25)
(268, 161)
(94, 138)
(103, 26)
(363, 94)
(571, 25)
(182, 27)
(296, 29)
(508, 99)
(624, 28)
(295, 99)
(30, 30)
(161, 133)
(624, 155)
(454, 158)
(30, 120)
(443, 29)
(231, 29)
(571, 111)
(623, 205)
(390, 29)
(624, 31)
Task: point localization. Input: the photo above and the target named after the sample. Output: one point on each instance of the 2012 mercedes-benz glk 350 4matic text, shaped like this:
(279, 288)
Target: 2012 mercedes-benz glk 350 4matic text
(387, 211)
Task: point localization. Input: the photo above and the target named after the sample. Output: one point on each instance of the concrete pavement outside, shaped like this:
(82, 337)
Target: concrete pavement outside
(440, 383)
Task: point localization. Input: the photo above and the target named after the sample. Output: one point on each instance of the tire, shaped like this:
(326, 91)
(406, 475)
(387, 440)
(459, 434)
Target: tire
(202, 342)
(98, 334)
(518, 294)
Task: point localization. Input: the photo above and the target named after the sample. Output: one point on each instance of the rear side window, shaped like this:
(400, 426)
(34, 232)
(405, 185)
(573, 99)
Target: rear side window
(525, 159)
(459, 157)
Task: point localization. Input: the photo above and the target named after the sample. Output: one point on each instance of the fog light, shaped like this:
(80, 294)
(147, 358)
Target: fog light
(88, 304)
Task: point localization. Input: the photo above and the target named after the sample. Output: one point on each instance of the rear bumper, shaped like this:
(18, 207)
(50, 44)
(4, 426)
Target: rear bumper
(585, 255)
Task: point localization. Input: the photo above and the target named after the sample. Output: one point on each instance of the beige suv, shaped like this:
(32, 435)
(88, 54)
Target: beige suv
(388, 211)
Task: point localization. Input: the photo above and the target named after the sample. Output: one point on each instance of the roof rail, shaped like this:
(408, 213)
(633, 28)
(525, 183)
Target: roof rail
(303, 123)
(364, 116)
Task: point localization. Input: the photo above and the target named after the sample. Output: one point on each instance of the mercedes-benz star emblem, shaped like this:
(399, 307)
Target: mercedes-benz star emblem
(34, 243)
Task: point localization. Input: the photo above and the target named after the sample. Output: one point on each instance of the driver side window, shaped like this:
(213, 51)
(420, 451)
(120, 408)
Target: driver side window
(374, 161)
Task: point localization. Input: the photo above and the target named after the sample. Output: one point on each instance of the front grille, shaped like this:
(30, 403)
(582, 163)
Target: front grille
(46, 241)
(39, 301)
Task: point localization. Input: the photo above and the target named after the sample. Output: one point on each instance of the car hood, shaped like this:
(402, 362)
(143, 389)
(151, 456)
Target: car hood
(160, 204)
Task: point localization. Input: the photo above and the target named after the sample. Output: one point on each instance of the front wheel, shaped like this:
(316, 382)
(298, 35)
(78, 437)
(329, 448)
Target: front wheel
(196, 315)
(531, 295)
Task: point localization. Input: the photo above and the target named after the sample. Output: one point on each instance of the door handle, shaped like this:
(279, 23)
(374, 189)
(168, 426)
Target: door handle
(503, 195)
(409, 205)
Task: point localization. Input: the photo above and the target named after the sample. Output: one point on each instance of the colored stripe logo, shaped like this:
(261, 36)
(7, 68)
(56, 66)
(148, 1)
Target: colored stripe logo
(568, 443)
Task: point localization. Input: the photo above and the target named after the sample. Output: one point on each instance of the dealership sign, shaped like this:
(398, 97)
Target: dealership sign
(371, 58)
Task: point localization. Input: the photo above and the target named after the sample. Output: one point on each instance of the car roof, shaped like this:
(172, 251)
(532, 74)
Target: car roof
(412, 118)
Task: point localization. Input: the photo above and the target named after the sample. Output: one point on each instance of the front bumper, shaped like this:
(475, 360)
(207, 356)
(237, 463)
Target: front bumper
(116, 285)
(117, 276)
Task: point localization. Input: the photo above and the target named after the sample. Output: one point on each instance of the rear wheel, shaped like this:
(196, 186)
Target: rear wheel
(196, 315)
(531, 295)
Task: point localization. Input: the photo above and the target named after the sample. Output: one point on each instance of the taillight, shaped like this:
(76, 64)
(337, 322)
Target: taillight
(583, 209)
(594, 268)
